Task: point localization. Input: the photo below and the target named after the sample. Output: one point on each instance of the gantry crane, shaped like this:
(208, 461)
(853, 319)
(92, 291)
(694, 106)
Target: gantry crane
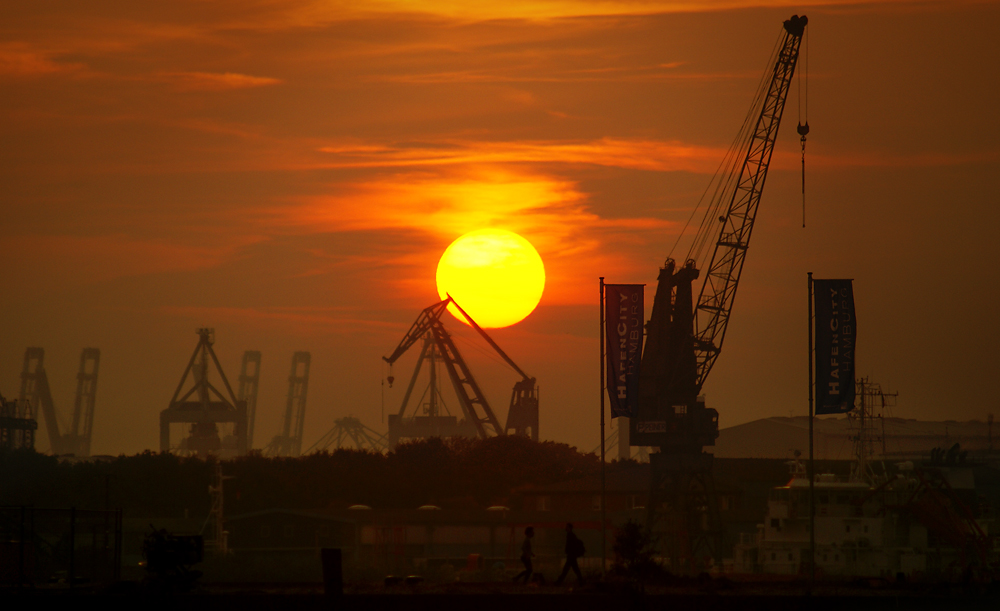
(289, 443)
(684, 337)
(204, 407)
(479, 421)
(36, 397)
(249, 383)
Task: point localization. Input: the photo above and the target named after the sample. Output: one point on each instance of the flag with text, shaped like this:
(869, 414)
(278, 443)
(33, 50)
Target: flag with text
(836, 334)
(623, 325)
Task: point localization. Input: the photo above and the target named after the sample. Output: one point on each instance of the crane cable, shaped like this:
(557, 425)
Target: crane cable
(803, 128)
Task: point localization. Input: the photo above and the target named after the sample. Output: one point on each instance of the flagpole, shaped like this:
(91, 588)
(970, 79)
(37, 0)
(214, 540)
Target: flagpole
(811, 471)
(604, 537)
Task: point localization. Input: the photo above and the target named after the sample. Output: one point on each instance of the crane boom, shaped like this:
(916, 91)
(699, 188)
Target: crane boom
(490, 341)
(715, 303)
(522, 415)
(418, 329)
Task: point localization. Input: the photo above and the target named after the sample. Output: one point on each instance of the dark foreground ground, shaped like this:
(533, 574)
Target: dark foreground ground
(493, 597)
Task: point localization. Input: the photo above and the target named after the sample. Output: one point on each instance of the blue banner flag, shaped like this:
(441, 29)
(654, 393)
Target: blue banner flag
(623, 324)
(836, 336)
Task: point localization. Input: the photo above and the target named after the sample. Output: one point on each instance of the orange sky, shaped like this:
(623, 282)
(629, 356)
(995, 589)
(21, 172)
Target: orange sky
(289, 173)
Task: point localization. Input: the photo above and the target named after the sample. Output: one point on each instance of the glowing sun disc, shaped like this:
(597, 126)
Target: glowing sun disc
(495, 275)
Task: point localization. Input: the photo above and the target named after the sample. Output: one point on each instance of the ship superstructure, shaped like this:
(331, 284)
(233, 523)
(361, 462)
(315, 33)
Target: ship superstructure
(918, 519)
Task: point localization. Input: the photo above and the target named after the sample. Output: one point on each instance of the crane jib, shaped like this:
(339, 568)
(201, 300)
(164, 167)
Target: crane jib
(718, 292)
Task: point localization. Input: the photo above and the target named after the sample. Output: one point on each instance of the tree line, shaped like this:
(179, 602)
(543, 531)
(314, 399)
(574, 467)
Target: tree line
(457, 471)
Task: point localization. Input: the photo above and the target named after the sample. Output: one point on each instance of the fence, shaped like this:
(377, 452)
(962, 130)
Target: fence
(67, 547)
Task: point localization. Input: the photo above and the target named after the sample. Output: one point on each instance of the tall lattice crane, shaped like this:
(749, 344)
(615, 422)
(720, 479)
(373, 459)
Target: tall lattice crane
(684, 336)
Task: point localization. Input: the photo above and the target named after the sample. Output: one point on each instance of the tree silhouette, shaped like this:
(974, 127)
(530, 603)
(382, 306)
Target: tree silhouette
(480, 471)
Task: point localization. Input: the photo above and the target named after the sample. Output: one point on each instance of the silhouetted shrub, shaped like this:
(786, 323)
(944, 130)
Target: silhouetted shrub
(634, 549)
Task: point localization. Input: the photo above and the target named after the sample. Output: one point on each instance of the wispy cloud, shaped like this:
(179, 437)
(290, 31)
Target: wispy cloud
(444, 202)
(534, 74)
(637, 154)
(553, 213)
(214, 81)
(22, 60)
(66, 260)
(314, 11)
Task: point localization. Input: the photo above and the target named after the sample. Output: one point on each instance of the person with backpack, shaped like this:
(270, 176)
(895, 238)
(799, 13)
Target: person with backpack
(574, 550)
(526, 555)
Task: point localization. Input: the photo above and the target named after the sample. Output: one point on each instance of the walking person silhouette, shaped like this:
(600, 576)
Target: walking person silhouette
(526, 555)
(574, 549)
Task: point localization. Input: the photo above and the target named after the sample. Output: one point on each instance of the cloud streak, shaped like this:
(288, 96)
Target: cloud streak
(210, 81)
(65, 260)
(22, 60)
(553, 213)
(636, 154)
(312, 12)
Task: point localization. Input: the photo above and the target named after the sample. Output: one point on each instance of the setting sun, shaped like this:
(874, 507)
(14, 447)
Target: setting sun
(495, 275)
